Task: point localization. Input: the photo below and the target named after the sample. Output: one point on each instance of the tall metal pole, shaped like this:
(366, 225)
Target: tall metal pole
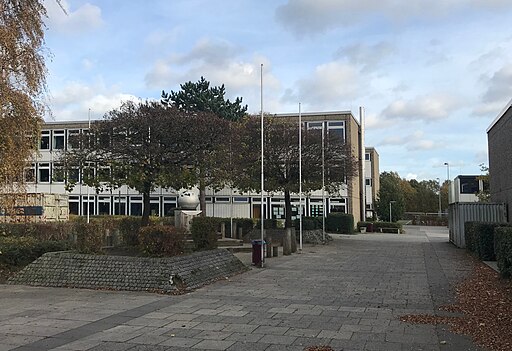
(89, 137)
(262, 212)
(439, 195)
(448, 179)
(390, 217)
(300, 180)
(324, 210)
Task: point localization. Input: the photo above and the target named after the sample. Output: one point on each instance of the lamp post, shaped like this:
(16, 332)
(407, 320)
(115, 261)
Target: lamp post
(448, 178)
(439, 194)
(390, 212)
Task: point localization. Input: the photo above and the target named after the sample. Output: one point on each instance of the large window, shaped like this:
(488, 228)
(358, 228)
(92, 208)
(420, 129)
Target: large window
(43, 173)
(468, 185)
(58, 139)
(45, 140)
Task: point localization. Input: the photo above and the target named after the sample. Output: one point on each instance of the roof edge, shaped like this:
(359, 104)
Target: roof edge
(502, 112)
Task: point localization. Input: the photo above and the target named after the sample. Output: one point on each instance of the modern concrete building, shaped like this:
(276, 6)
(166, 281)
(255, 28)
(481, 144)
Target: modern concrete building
(45, 176)
(499, 138)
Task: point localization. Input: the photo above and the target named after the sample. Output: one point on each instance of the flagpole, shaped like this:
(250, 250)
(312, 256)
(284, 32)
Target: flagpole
(300, 180)
(89, 137)
(262, 212)
(324, 210)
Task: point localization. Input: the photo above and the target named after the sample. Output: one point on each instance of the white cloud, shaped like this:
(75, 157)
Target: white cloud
(427, 107)
(309, 17)
(75, 99)
(498, 92)
(411, 176)
(414, 141)
(330, 84)
(220, 63)
(83, 19)
(368, 57)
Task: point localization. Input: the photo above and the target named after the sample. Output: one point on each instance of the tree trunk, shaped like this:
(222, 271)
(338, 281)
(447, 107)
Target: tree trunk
(202, 195)
(287, 209)
(145, 206)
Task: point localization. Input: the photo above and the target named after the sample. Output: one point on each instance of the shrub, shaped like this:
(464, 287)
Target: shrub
(480, 239)
(41, 231)
(129, 229)
(161, 240)
(204, 232)
(386, 227)
(503, 238)
(20, 251)
(268, 223)
(469, 236)
(339, 223)
(309, 223)
(89, 237)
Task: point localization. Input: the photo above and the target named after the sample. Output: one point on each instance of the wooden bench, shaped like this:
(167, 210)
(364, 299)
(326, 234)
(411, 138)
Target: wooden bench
(390, 230)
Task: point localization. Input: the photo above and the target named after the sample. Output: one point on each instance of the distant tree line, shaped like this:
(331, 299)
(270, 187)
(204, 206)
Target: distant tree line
(409, 196)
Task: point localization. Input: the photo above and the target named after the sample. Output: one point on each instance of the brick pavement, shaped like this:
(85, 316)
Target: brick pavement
(348, 295)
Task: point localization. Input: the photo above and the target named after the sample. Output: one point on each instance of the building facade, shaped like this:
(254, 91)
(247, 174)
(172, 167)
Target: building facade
(45, 175)
(499, 138)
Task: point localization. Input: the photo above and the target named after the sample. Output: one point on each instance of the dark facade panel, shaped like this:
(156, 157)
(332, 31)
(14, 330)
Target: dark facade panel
(500, 160)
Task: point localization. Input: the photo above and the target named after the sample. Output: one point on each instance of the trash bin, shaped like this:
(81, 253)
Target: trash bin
(256, 252)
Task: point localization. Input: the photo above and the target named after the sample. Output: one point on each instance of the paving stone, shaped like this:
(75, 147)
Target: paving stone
(214, 344)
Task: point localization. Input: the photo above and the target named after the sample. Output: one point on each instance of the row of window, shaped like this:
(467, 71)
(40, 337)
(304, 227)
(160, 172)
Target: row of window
(63, 139)
(165, 205)
(60, 139)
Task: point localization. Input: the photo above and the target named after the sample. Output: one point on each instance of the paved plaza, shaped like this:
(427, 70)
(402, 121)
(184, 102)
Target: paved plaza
(348, 295)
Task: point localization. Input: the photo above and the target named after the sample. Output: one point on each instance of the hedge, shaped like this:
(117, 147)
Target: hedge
(268, 223)
(20, 251)
(479, 237)
(204, 232)
(503, 241)
(342, 223)
(161, 240)
(309, 223)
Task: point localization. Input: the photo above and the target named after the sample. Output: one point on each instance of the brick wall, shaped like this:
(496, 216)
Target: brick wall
(65, 269)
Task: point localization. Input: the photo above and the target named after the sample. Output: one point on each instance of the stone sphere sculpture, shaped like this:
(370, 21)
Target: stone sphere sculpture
(188, 201)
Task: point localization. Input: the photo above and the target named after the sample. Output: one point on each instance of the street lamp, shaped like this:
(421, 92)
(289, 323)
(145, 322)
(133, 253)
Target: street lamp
(448, 178)
(439, 194)
(447, 171)
(390, 213)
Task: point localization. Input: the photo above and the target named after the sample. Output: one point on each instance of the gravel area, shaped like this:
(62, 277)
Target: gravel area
(484, 301)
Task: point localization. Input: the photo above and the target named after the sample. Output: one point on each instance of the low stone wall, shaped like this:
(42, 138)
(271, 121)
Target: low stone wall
(165, 275)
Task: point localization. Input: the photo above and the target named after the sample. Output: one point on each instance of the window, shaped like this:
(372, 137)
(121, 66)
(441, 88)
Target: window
(315, 125)
(119, 205)
(73, 138)
(58, 173)
(43, 173)
(88, 205)
(45, 140)
(336, 131)
(368, 181)
(468, 185)
(74, 205)
(104, 205)
(316, 210)
(30, 174)
(58, 140)
(222, 200)
(241, 199)
(367, 156)
(73, 175)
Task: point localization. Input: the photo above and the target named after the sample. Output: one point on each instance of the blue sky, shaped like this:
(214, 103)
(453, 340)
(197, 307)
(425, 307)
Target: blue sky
(431, 75)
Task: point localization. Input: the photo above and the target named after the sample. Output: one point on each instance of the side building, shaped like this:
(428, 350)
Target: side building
(45, 175)
(499, 138)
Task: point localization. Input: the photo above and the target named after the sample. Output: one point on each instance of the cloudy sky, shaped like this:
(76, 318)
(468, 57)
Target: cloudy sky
(432, 75)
